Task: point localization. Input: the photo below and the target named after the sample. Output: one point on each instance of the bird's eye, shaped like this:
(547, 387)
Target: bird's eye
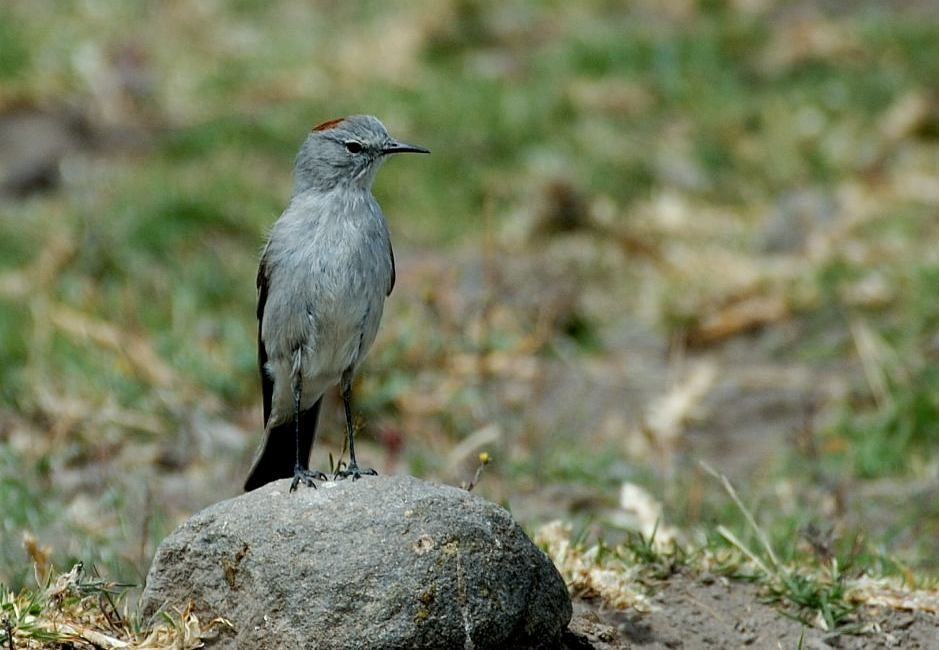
(353, 147)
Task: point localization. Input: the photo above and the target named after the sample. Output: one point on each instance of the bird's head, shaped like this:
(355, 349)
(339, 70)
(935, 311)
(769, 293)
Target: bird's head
(346, 150)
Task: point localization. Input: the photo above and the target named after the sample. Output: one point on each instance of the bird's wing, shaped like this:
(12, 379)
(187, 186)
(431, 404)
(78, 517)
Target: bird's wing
(267, 384)
(391, 255)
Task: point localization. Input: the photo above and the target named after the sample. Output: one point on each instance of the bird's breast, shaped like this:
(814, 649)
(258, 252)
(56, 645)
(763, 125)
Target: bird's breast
(329, 281)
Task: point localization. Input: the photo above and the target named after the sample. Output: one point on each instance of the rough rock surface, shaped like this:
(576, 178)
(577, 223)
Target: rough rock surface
(382, 562)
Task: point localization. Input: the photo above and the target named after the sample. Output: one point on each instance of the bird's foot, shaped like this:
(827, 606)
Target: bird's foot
(355, 472)
(305, 476)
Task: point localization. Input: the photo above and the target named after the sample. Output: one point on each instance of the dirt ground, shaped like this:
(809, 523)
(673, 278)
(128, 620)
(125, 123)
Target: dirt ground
(717, 613)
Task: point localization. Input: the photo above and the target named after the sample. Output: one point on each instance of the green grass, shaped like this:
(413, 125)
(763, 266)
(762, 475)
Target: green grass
(894, 430)
(15, 53)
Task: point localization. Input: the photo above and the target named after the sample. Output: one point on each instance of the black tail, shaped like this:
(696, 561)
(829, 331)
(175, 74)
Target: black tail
(280, 453)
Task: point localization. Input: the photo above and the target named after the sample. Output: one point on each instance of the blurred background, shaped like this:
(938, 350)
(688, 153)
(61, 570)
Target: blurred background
(651, 234)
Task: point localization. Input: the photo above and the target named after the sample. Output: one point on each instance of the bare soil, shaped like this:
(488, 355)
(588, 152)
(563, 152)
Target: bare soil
(708, 612)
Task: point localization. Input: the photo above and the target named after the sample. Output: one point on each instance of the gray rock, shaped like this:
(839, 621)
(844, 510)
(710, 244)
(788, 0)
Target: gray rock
(382, 562)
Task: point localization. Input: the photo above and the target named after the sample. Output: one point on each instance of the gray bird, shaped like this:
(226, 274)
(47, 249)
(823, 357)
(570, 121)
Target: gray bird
(322, 282)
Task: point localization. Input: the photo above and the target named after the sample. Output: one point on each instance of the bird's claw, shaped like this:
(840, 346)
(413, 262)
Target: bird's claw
(306, 477)
(355, 472)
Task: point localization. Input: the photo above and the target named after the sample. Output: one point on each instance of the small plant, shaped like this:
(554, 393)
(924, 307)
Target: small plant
(660, 560)
(825, 595)
(819, 594)
(484, 459)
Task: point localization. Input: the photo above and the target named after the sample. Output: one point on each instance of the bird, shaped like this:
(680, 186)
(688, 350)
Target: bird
(323, 278)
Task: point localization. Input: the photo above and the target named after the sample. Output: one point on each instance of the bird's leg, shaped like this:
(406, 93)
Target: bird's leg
(300, 473)
(353, 468)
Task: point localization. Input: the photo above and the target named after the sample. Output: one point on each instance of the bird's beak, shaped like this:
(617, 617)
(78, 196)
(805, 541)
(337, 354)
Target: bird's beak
(401, 147)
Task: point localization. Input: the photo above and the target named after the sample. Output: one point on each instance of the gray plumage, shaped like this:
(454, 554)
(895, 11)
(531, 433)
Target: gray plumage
(324, 274)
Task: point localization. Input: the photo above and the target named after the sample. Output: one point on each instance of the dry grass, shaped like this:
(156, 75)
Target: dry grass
(81, 612)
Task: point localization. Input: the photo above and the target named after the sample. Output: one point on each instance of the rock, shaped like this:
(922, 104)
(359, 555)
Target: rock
(382, 562)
